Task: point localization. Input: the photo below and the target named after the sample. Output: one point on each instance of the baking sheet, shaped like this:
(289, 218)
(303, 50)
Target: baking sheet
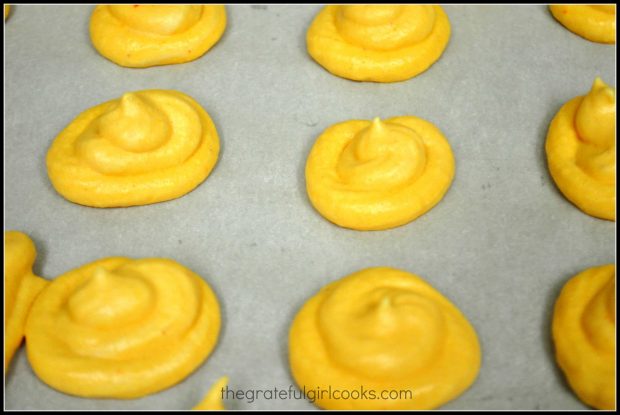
(500, 245)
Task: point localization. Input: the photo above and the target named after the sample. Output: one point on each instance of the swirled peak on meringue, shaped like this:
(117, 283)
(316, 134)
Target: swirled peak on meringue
(140, 35)
(380, 43)
(595, 22)
(584, 333)
(145, 147)
(122, 328)
(383, 330)
(581, 151)
(373, 175)
(21, 287)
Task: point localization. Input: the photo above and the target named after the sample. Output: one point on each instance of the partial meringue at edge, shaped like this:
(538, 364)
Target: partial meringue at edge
(584, 333)
(21, 289)
(387, 332)
(595, 22)
(146, 147)
(213, 400)
(373, 175)
(139, 35)
(122, 328)
(581, 151)
(380, 43)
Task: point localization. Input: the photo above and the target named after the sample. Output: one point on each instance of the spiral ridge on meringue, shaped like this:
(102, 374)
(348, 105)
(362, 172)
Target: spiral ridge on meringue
(380, 43)
(146, 147)
(378, 175)
(581, 151)
(140, 35)
(383, 329)
(122, 328)
(584, 334)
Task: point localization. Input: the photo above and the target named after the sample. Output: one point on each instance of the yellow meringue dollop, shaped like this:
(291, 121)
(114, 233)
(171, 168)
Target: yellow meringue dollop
(146, 147)
(122, 328)
(581, 151)
(385, 331)
(380, 43)
(377, 175)
(213, 400)
(140, 35)
(584, 333)
(21, 287)
(595, 22)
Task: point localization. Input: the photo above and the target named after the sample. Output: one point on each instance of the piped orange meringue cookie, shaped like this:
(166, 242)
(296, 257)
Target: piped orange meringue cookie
(21, 288)
(595, 22)
(141, 35)
(380, 43)
(378, 175)
(382, 330)
(584, 333)
(146, 147)
(581, 151)
(122, 328)
(213, 400)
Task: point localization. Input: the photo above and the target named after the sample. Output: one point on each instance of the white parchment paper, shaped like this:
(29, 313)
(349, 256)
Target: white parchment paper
(500, 244)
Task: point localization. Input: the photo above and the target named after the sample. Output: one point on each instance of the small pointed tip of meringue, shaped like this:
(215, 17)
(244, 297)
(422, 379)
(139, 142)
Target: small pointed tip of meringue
(601, 89)
(385, 302)
(130, 103)
(598, 84)
(100, 274)
(377, 125)
(128, 97)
